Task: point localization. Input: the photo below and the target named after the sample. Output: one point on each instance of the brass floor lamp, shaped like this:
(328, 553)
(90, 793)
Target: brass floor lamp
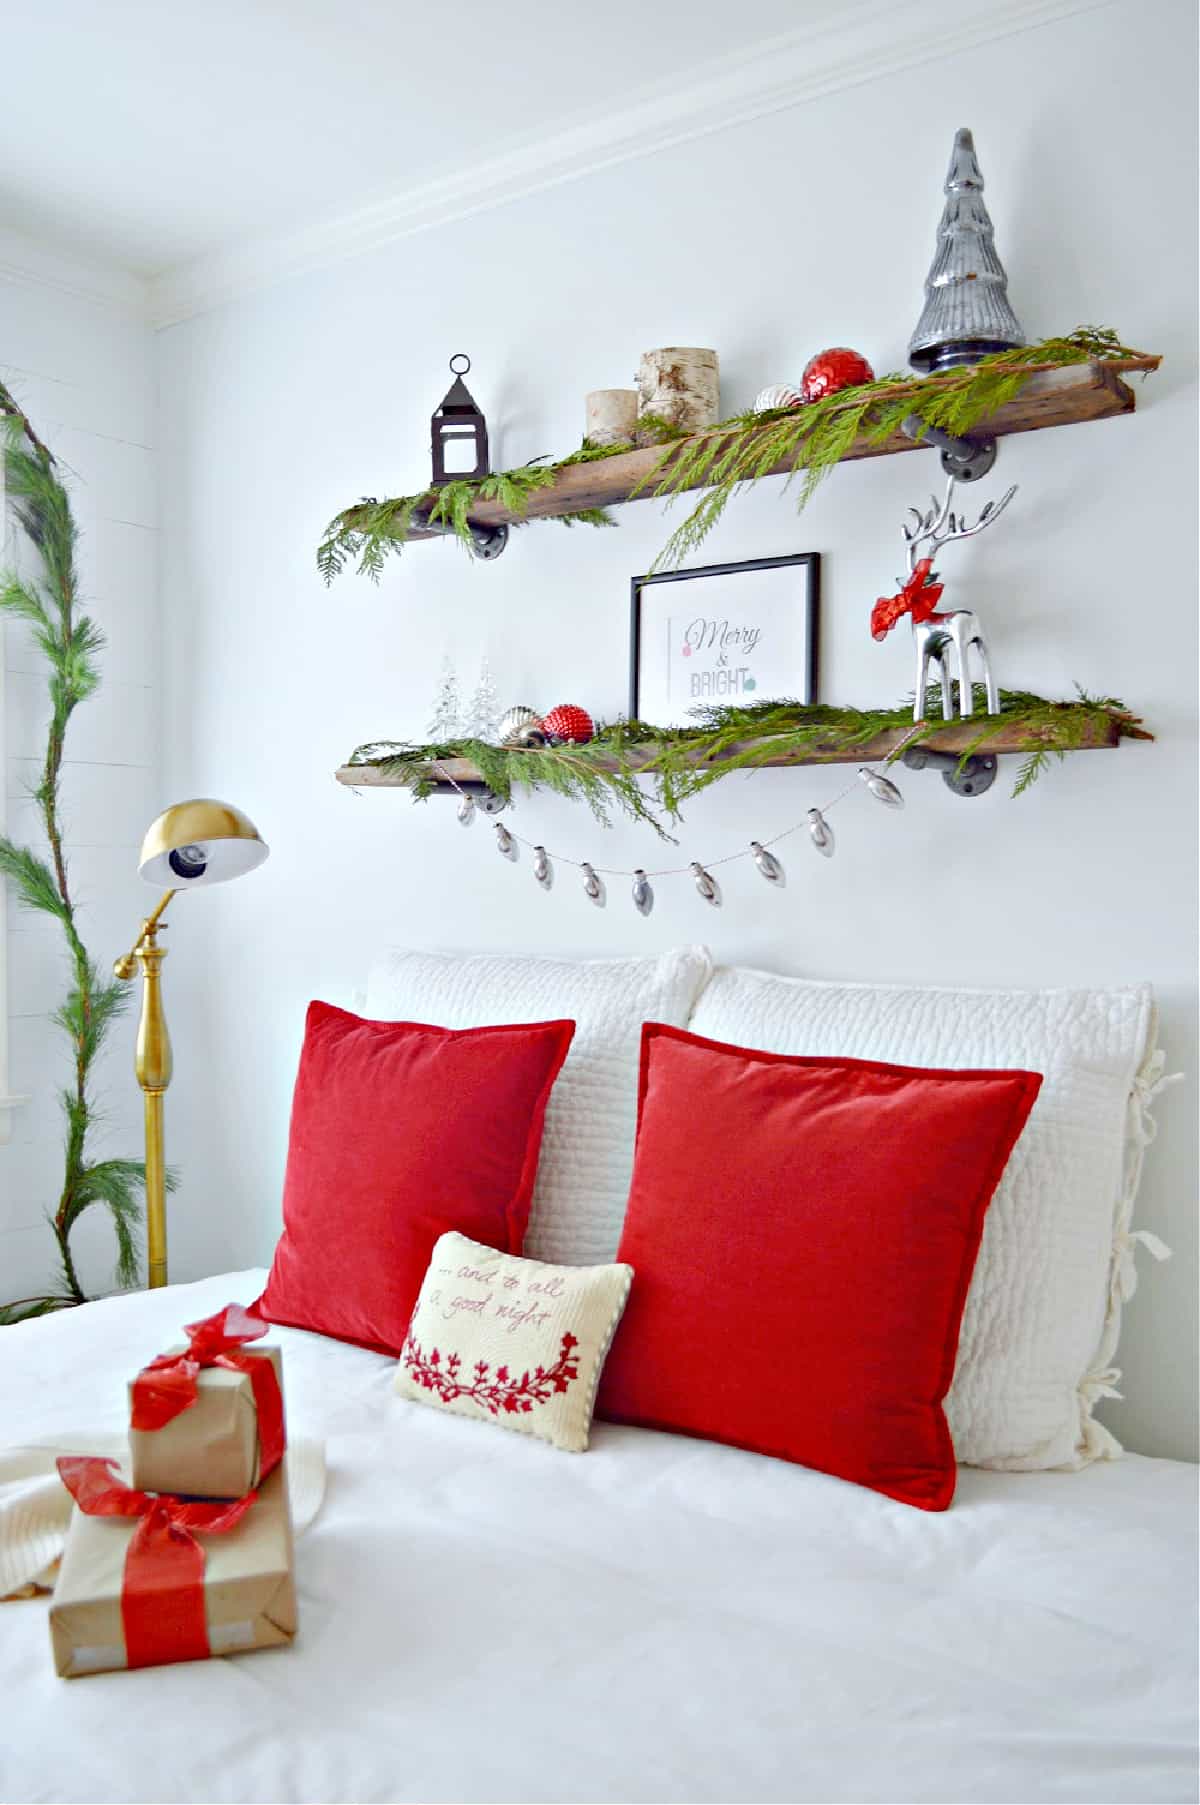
(193, 843)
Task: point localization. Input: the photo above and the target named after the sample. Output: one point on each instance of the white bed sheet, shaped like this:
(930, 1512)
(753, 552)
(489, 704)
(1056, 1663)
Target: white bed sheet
(485, 1618)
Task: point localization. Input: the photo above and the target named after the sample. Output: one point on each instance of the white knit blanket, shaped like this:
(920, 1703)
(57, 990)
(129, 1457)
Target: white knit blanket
(35, 1506)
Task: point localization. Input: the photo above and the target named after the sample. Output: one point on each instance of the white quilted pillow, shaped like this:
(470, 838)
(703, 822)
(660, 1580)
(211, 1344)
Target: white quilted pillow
(1043, 1312)
(587, 1146)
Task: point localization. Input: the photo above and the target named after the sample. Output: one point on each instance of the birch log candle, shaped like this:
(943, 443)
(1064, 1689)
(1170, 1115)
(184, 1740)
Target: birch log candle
(611, 416)
(680, 385)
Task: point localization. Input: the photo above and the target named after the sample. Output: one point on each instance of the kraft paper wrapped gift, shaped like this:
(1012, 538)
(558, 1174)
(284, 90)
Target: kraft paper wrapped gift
(217, 1436)
(145, 1581)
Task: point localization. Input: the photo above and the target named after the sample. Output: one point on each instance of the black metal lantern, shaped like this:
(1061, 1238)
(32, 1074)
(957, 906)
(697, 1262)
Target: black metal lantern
(458, 421)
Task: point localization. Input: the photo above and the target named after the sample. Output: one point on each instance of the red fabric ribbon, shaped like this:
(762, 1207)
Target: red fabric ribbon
(169, 1386)
(919, 597)
(162, 1588)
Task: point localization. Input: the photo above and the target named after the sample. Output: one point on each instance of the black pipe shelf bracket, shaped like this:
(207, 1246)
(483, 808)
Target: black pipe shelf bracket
(969, 776)
(487, 542)
(964, 459)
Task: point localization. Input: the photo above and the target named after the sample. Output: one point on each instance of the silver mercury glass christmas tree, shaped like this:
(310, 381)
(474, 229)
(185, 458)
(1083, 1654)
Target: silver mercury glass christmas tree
(966, 314)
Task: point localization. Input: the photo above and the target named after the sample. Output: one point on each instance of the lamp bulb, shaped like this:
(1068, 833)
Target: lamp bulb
(188, 861)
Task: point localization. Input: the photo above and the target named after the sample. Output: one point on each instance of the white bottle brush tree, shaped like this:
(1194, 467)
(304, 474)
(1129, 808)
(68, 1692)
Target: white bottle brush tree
(483, 713)
(445, 722)
(70, 642)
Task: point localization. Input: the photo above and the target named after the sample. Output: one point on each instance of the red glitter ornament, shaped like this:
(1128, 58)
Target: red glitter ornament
(829, 371)
(569, 722)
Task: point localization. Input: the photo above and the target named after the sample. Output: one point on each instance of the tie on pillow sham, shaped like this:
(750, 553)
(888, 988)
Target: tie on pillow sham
(1043, 1315)
(400, 1132)
(803, 1233)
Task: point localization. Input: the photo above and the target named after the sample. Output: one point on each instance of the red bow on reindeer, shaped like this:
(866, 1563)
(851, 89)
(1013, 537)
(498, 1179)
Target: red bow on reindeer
(168, 1385)
(919, 597)
(162, 1588)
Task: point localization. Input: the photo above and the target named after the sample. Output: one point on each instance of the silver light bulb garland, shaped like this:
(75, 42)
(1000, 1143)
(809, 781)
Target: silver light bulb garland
(881, 787)
(700, 871)
(705, 883)
(767, 863)
(822, 833)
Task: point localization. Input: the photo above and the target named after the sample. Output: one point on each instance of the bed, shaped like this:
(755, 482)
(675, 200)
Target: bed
(485, 1618)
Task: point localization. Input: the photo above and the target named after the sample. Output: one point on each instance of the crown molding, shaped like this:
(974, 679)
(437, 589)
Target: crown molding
(33, 264)
(868, 41)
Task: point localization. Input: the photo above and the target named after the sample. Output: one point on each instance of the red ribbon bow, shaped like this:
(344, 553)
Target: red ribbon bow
(162, 1587)
(919, 597)
(169, 1386)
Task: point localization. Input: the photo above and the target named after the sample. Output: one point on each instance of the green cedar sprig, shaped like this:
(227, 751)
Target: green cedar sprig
(648, 772)
(811, 440)
(742, 451)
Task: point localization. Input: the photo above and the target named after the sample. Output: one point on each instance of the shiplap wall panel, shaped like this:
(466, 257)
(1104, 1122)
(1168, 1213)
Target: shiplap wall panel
(83, 371)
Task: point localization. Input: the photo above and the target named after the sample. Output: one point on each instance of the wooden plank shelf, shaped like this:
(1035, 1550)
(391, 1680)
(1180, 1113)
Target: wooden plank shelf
(1061, 397)
(1009, 737)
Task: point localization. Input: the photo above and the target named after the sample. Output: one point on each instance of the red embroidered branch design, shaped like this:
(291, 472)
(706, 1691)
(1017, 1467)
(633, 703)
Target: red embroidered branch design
(500, 1392)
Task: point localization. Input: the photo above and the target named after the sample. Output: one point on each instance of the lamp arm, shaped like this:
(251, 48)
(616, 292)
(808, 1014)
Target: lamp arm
(125, 967)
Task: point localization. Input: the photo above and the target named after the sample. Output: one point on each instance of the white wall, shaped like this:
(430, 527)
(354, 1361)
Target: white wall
(767, 241)
(73, 352)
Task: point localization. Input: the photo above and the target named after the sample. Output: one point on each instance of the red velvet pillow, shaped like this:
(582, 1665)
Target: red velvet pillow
(802, 1234)
(401, 1132)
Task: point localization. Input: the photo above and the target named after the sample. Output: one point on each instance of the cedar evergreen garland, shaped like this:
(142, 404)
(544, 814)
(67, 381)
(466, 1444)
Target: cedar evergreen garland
(740, 452)
(70, 642)
(680, 762)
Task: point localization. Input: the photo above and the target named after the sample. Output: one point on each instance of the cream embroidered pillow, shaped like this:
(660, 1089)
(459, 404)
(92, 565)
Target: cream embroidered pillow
(513, 1341)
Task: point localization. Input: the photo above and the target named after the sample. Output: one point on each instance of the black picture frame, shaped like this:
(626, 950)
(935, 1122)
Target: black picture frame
(809, 599)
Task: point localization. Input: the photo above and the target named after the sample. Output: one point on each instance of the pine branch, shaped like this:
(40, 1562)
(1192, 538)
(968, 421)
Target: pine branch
(1030, 770)
(71, 643)
(120, 1185)
(585, 517)
(589, 453)
(26, 1308)
(32, 879)
(88, 1011)
(18, 428)
(23, 603)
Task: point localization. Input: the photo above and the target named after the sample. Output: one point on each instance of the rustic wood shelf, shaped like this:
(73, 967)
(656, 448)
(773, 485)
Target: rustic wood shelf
(1062, 397)
(1010, 737)
(1054, 397)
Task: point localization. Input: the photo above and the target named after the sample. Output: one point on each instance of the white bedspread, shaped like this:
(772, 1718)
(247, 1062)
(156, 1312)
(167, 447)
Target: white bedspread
(484, 1618)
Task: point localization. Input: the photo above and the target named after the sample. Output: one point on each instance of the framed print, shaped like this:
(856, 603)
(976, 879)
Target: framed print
(723, 633)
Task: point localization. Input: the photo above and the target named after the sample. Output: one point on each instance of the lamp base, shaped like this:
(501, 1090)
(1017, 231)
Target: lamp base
(156, 1193)
(153, 1068)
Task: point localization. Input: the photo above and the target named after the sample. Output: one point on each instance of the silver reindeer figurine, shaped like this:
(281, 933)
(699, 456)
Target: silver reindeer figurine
(948, 639)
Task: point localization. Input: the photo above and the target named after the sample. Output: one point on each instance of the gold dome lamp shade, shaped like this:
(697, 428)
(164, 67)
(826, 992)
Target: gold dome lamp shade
(200, 842)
